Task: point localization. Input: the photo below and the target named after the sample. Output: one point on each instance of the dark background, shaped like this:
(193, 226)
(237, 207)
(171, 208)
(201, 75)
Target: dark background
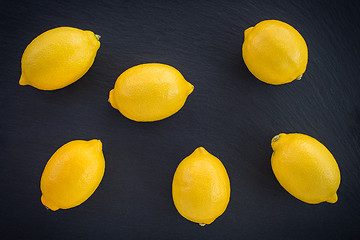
(230, 113)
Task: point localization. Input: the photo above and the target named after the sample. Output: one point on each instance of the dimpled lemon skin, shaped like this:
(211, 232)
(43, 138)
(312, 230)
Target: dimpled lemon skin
(305, 168)
(150, 92)
(58, 57)
(72, 174)
(201, 187)
(275, 52)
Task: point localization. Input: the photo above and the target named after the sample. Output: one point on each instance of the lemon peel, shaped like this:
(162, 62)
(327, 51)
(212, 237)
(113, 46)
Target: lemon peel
(305, 168)
(150, 92)
(275, 52)
(72, 174)
(201, 187)
(58, 58)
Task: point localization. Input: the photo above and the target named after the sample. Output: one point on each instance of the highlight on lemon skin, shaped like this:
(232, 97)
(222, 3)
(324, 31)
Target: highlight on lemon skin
(72, 174)
(305, 168)
(150, 92)
(201, 187)
(275, 52)
(58, 58)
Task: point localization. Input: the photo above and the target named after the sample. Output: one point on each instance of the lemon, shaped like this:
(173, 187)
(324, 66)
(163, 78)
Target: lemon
(201, 187)
(305, 168)
(58, 57)
(72, 174)
(275, 52)
(150, 92)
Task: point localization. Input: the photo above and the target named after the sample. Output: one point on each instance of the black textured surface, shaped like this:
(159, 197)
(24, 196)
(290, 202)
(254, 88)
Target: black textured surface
(230, 113)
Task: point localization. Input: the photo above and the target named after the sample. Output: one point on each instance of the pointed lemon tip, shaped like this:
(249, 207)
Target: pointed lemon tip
(247, 31)
(111, 98)
(200, 150)
(48, 204)
(202, 224)
(96, 143)
(190, 88)
(333, 199)
(22, 80)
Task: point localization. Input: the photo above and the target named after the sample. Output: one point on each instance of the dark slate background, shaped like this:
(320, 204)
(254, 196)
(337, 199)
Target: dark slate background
(230, 113)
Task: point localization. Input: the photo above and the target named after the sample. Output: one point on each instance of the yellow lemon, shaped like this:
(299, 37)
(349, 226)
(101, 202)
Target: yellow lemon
(201, 187)
(72, 174)
(275, 52)
(150, 92)
(305, 168)
(58, 57)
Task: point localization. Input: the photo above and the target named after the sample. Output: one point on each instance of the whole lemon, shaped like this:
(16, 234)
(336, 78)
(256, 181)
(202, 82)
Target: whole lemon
(305, 168)
(72, 174)
(150, 92)
(58, 57)
(275, 52)
(201, 187)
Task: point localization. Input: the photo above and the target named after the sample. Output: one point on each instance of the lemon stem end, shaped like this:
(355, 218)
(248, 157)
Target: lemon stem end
(274, 139)
(202, 224)
(97, 37)
(299, 77)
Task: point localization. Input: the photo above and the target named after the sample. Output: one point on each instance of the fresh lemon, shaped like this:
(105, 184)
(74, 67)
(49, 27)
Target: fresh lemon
(201, 187)
(72, 174)
(58, 57)
(305, 168)
(275, 52)
(150, 92)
